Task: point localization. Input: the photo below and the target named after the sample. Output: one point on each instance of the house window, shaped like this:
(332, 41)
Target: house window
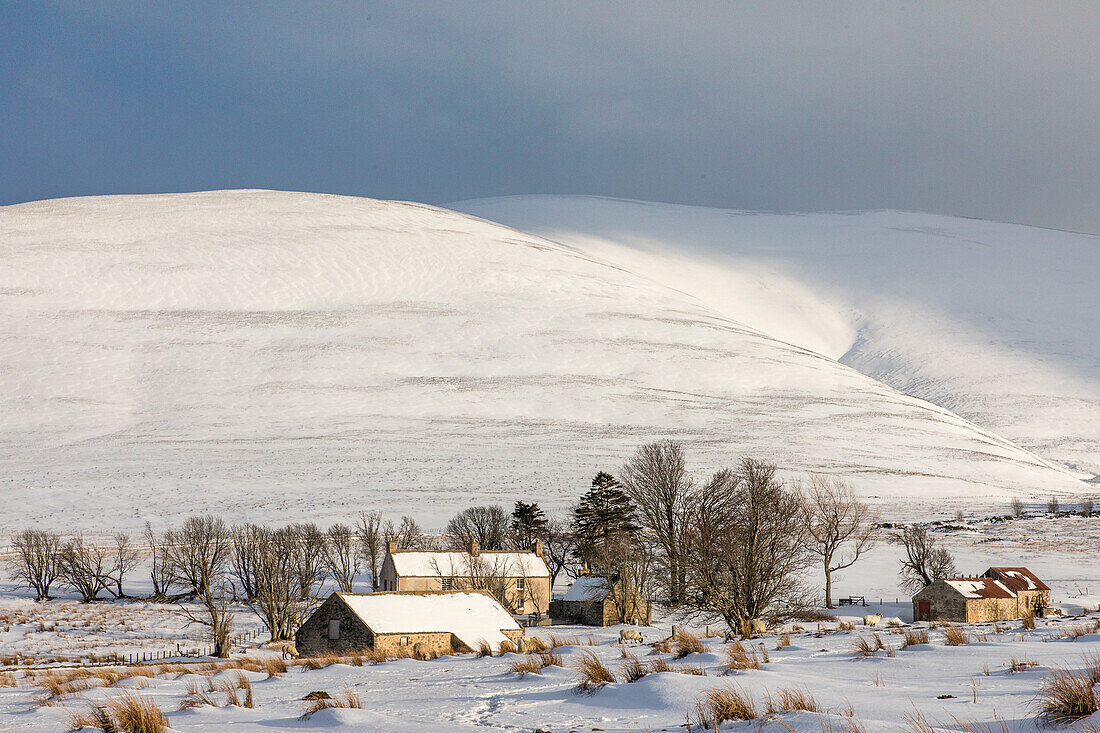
(520, 584)
(404, 641)
(448, 583)
(334, 629)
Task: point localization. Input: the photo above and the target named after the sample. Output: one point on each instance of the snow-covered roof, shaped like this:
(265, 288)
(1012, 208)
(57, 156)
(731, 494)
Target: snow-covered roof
(1017, 578)
(470, 615)
(587, 588)
(457, 564)
(980, 587)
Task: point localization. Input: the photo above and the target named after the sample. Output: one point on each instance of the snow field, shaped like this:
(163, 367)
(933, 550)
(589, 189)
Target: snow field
(470, 693)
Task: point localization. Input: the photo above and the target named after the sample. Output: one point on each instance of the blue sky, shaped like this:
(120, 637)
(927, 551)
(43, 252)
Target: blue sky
(978, 109)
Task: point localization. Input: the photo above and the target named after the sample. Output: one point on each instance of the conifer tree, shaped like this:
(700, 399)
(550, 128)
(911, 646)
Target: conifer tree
(528, 524)
(603, 517)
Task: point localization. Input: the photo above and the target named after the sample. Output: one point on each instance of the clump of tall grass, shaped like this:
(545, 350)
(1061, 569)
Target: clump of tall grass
(1028, 619)
(914, 636)
(534, 644)
(125, 713)
(1077, 630)
(1065, 696)
(685, 643)
(1021, 665)
(535, 663)
(593, 674)
(791, 699)
(506, 647)
(232, 687)
(739, 658)
(783, 640)
(955, 636)
(274, 666)
(864, 647)
(198, 694)
(721, 704)
(346, 699)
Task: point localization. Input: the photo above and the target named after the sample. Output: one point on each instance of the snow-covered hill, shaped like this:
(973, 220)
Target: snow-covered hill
(282, 355)
(999, 323)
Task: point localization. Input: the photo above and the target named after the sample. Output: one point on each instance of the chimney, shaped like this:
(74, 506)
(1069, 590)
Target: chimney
(475, 548)
(537, 548)
(391, 547)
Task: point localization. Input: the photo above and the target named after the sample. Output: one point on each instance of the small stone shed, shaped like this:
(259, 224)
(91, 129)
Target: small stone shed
(999, 594)
(439, 622)
(590, 601)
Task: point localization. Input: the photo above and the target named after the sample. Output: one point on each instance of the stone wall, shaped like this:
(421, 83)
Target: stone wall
(312, 638)
(947, 603)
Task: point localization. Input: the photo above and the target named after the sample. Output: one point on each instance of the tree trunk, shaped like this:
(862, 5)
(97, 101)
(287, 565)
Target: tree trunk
(828, 587)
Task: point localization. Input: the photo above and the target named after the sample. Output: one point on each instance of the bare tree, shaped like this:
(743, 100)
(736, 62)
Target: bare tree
(342, 556)
(245, 541)
(84, 568)
(493, 573)
(372, 544)
(407, 535)
(217, 615)
(160, 570)
(1017, 507)
(925, 561)
(124, 559)
(278, 599)
(1052, 505)
(559, 546)
(1086, 507)
(748, 545)
(198, 553)
(657, 481)
(37, 560)
(308, 557)
(840, 528)
(487, 525)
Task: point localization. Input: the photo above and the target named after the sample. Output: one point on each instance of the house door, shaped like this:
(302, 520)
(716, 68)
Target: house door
(924, 610)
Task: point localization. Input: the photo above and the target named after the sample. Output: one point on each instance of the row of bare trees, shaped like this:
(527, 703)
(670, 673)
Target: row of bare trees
(43, 559)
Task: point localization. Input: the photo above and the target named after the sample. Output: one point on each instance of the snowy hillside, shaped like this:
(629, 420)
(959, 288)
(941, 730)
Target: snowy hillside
(281, 355)
(999, 323)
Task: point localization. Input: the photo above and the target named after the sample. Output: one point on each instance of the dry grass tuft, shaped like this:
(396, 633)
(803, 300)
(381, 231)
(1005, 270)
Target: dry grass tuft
(346, 699)
(790, 699)
(1065, 697)
(1021, 665)
(739, 658)
(1077, 630)
(7, 679)
(198, 695)
(535, 663)
(506, 647)
(845, 626)
(955, 636)
(783, 640)
(721, 704)
(685, 643)
(914, 636)
(593, 674)
(484, 649)
(125, 713)
(274, 666)
(664, 646)
(863, 647)
(633, 669)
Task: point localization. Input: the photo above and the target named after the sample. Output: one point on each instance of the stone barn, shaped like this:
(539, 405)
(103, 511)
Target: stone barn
(999, 594)
(437, 622)
(592, 601)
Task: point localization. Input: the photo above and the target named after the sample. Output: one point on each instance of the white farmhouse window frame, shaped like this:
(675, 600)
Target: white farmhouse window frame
(447, 583)
(404, 641)
(334, 629)
(521, 584)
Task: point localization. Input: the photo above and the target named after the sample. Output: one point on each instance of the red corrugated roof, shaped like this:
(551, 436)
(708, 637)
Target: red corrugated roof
(1017, 579)
(981, 587)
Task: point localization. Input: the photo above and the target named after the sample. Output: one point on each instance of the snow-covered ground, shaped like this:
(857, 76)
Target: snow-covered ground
(971, 683)
(275, 356)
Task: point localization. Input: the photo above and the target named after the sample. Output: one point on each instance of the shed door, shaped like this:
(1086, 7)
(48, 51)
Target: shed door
(924, 610)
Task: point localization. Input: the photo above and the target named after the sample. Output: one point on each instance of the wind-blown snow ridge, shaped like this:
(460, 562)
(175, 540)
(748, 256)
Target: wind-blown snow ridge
(996, 322)
(275, 355)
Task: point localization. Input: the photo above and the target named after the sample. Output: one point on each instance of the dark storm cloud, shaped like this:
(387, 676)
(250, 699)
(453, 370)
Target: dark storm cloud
(980, 109)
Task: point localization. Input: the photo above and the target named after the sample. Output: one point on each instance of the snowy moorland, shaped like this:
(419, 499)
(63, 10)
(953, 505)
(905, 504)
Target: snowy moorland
(274, 356)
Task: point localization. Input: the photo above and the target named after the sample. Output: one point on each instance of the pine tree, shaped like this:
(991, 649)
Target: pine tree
(603, 517)
(528, 524)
